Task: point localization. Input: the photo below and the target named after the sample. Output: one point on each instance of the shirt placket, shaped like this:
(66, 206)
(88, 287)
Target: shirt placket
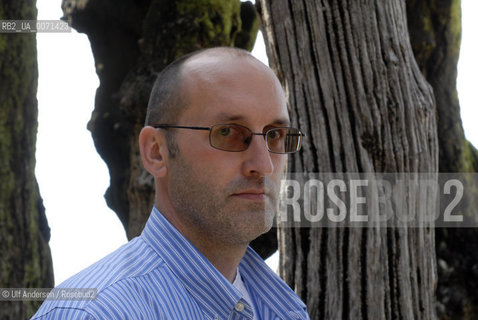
(241, 311)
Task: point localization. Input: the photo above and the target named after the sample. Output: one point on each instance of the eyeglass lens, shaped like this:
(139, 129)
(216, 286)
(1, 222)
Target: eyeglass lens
(238, 138)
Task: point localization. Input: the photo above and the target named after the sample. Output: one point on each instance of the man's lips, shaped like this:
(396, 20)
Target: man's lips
(255, 195)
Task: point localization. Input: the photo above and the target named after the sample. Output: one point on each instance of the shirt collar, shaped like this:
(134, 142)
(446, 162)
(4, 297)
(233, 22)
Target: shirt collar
(211, 290)
(267, 288)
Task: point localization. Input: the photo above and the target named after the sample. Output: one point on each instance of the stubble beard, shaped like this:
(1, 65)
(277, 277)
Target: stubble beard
(210, 209)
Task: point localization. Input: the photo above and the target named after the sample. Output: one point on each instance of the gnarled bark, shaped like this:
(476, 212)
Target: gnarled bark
(354, 87)
(435, 34)
(25, 259)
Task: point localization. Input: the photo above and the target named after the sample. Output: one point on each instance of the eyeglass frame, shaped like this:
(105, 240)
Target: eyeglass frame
(264, 134)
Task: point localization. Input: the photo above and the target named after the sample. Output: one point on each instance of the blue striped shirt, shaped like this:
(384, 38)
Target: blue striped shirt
(161, 275)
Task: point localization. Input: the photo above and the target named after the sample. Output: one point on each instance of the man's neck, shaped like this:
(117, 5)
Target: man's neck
(226, 259)
(223, 256)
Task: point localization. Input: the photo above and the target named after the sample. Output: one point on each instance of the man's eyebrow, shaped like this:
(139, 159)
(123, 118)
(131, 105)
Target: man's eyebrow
(282, 122)
(237, 117)
(230, 117)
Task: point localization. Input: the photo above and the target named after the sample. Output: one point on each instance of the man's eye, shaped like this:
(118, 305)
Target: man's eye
(273, 134)
(225, 131)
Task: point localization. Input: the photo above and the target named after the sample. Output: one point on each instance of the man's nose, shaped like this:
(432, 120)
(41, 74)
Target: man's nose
(258, 160)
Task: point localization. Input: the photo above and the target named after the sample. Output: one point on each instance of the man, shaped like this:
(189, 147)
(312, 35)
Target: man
(216, 137)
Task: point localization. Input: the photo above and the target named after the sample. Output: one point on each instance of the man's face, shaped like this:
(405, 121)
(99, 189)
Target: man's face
(228, 196)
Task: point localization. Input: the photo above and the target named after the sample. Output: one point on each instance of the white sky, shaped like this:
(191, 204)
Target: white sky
(72, 176)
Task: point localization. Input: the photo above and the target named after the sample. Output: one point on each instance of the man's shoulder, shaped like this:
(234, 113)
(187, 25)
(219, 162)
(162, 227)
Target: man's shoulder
(124, 267)
(63, 313)
(133, 259)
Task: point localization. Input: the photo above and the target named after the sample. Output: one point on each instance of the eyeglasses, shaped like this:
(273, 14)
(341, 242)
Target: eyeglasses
(236, 138)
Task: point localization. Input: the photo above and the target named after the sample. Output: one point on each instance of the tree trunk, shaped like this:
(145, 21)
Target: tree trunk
(435, 34)
(353, 86)
(25, 259)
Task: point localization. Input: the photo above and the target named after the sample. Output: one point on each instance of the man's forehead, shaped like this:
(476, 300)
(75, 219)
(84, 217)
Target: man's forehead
(228, 88)
(217, 71)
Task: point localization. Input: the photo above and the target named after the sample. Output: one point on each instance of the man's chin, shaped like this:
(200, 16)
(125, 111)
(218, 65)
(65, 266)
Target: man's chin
(258, 221)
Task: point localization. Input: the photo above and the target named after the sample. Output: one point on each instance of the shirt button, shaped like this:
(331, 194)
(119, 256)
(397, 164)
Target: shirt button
(239, 307)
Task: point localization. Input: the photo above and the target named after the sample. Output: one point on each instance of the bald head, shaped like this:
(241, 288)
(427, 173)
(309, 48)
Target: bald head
(169, 96)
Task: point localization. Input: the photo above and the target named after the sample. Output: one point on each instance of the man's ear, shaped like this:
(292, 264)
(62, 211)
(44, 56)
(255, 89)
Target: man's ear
(154, 151)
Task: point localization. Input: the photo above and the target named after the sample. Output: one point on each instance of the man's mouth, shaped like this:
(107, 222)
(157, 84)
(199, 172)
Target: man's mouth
(252, 195)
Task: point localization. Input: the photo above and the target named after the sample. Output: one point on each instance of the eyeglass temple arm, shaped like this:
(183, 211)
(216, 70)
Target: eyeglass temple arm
(165, 126)
(289, 134)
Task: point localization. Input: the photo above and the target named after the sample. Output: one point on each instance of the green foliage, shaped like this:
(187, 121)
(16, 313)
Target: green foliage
(455, 27)
(174, 28)
(216, 20)
(470, 158)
